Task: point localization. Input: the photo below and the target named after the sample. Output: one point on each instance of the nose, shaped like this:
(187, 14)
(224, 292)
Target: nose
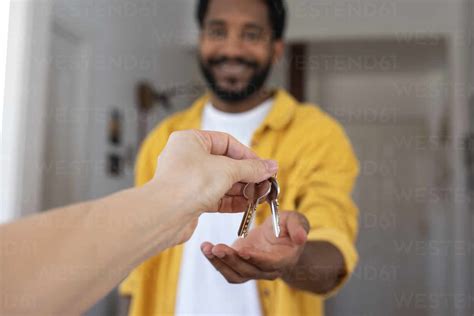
(232, 47)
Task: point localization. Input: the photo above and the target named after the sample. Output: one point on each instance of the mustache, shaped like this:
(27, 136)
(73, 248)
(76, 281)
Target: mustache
(237, 60)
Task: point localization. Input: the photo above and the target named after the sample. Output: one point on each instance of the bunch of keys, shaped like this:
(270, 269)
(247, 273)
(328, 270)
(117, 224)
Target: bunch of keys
(256, 194)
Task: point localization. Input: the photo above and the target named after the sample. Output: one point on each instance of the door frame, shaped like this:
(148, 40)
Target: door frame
(459, 64)
(66, 30)
(25, 94)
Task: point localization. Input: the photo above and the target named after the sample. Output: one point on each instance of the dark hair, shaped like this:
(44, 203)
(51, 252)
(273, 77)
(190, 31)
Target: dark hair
(276, 13)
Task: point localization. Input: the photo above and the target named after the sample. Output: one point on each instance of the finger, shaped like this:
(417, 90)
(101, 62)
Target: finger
(206, 248)
(244, 268)
(298, 227)
(233, 204)
(223, 144)
(265, 261)
(220, 250)
(252, 170)
(237, 189)
(230, 275)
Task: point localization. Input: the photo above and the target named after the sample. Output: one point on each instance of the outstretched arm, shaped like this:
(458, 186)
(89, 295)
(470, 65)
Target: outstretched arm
(62, 261)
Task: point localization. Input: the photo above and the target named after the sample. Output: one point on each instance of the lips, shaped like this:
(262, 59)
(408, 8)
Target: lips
(234, 79)
(231, 70)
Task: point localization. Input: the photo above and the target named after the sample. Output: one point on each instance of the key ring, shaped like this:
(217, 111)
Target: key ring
(258, 190)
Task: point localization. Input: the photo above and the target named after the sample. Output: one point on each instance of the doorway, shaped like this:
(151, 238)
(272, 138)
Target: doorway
(391, 97)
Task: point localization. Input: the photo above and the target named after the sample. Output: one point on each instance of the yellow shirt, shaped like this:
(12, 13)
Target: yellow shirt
(317, 170)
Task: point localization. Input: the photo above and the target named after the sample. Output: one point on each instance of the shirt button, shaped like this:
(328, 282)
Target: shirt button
(266, 292)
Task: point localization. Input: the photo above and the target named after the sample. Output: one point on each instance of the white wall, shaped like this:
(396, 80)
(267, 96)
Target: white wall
(127, 41)
(352, 18)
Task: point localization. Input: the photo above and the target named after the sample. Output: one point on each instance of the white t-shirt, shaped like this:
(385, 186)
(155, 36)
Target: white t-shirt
(201, 289)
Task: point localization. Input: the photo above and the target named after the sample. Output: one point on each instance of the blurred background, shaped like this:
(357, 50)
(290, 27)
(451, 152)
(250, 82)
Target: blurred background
(87, 79)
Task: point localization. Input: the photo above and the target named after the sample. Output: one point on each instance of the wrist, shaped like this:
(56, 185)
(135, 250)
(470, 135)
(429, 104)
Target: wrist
(293, 269)
(148, 213)
(288, 273)
(172, 210)
(172, 195)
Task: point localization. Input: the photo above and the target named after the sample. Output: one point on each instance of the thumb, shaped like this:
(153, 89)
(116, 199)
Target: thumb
(253, 170)
(298, 227)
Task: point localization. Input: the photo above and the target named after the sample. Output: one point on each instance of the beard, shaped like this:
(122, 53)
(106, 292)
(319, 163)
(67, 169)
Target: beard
(256, 82)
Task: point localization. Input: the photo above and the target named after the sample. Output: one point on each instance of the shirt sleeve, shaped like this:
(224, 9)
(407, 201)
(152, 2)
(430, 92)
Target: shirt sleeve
(146, 164)
(324, 197)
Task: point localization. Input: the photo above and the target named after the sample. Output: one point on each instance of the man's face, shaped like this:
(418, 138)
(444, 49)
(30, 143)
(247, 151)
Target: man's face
(236, 49)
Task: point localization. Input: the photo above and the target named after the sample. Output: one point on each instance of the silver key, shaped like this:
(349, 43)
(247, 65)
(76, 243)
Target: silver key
(255, 194)
(272, 199)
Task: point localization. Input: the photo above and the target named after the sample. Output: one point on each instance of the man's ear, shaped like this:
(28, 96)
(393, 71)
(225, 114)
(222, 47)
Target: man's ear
(278, 51)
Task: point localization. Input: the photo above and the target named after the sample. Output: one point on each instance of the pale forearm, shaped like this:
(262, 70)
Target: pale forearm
(319, 270)
(63, 260)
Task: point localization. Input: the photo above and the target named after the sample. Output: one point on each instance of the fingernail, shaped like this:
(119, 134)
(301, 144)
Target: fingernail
(246, 257)
(272, 166)
(220, 255)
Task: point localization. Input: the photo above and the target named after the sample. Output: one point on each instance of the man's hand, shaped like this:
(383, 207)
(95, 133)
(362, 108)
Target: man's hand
(261, 255)
(206, 170)
(202, 171)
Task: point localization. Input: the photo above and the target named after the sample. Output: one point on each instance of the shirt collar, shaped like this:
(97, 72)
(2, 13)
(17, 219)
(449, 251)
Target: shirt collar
(282, 111)
(280, 115)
